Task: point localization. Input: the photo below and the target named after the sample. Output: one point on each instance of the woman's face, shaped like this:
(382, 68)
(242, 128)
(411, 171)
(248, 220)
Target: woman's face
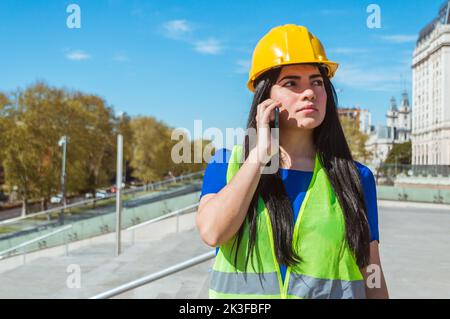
(300, 86)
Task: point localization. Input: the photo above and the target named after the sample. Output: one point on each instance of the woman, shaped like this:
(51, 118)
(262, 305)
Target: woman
(310, 229)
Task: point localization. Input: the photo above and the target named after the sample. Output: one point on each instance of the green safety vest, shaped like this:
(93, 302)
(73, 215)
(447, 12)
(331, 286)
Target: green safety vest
(328, 268)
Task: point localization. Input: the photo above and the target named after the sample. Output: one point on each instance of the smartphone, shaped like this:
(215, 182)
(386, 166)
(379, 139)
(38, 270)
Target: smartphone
(277, 117)
(274, 162)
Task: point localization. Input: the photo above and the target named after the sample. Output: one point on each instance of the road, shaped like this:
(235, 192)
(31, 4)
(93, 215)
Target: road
(33, 208)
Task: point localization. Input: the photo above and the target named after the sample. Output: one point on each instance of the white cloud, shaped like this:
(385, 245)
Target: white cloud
(243, 66)
(400, 38)
(176, 28)
(182, 30)
(77, 55)
(209, 46)
(386, 79)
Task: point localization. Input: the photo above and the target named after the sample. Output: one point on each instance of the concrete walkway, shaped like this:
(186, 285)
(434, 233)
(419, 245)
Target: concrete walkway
(415, 249)
(414, 246)
(156, 247)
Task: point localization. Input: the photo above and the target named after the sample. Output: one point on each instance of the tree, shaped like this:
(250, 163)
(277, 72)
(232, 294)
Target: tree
(34, 120)
(5, 121)
(27, 157)
(356, 140)
(5, 126)
(400, 154)
(151, 150)
(94, 141)
(32, 156)
(197, 148)
(122, 125)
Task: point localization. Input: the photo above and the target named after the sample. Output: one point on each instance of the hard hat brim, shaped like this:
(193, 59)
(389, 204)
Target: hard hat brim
(331, 66)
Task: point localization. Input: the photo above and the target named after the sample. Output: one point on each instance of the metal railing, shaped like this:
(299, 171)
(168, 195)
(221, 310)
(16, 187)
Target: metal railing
(152, 186)
(155, 276)
(414, 170)
(147, 187)
(5, 253)
(176, 213)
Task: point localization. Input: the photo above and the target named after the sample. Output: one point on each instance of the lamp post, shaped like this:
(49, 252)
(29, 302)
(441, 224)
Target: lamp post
(121, 115)
(119, 193)
(63, 143)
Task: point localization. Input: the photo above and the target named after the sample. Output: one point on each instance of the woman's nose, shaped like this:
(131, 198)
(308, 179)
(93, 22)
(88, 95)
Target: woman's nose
(309, 94)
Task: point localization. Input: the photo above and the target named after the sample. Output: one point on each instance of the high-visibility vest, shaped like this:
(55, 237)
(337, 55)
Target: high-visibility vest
(327, 269)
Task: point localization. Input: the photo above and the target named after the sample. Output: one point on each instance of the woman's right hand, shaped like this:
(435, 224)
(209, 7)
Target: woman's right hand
(265, 115)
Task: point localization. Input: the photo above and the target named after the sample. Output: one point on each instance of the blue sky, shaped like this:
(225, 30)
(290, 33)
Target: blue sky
(182, 61)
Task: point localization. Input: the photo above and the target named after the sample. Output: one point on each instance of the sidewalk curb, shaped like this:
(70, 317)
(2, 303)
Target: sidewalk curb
(406, 204)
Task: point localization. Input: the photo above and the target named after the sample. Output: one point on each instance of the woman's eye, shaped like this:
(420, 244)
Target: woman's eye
(286, 84)
(318, 82)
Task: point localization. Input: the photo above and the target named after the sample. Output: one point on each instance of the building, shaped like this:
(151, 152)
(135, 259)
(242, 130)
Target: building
(397, 130)
(431, 94)
(398, 120)
(365, 122)
(352, 114)
(362, 117)
(404, 119)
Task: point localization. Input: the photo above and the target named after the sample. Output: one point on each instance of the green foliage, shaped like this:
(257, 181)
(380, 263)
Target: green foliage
(38, 118)
(400, 154)
(356, 140)
(153, 151)
(33, 121)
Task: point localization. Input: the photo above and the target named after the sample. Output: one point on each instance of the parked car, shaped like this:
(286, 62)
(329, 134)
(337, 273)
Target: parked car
(101, 194)
(57, 199)
(113, 188)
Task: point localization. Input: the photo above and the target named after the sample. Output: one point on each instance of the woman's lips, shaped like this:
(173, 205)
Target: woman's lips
(308, 109)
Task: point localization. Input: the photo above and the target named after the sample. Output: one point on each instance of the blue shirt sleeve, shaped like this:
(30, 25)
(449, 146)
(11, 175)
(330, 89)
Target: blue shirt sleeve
(370, 195)
(215, 177)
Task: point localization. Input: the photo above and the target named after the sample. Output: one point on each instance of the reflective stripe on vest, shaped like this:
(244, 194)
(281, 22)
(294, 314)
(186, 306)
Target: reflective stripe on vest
(327, 269)
(299, 285)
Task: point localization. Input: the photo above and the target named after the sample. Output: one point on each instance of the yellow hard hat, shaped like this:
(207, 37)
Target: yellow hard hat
(287, 44)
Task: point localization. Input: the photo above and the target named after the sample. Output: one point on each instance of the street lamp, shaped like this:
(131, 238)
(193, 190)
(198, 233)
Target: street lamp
(119, 194)
(63, 143)
(121, 115)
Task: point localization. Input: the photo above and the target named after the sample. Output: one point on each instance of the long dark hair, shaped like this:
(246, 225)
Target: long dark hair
(336, 159)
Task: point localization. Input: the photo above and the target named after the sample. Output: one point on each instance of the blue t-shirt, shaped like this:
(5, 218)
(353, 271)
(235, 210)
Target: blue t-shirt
(296, 184)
